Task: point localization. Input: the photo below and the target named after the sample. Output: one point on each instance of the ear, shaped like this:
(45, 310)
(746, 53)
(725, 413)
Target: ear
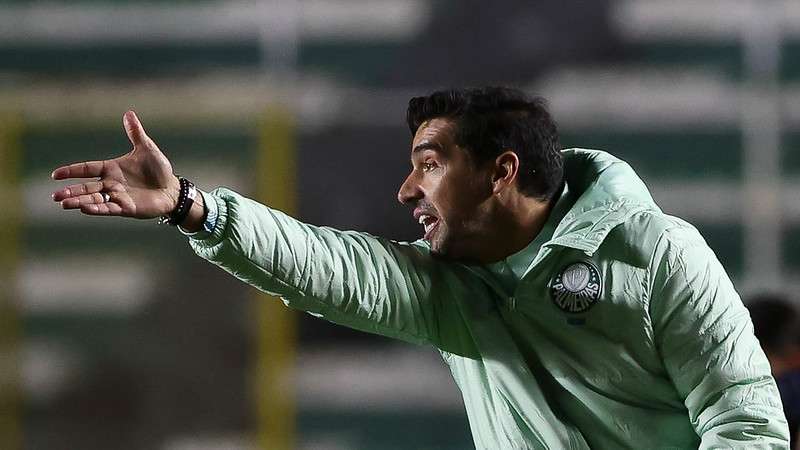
(506, 167)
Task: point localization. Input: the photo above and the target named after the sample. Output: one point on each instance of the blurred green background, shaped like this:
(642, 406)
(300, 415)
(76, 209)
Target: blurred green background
(115, 335)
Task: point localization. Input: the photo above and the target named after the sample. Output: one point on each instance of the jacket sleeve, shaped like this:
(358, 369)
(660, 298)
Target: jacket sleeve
(705, 338)
(351, 278)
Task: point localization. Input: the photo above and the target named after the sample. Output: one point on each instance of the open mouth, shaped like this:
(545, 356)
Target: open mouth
(430, 223)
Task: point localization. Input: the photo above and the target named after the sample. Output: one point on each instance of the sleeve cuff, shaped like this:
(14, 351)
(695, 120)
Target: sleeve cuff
(213, 204)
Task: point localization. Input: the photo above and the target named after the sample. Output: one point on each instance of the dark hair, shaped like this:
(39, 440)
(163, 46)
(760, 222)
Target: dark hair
(775, 321)
(491, 120)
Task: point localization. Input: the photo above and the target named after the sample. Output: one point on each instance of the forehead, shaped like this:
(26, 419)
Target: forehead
(438, 131)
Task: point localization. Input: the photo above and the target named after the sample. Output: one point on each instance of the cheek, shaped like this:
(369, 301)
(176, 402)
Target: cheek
(459, 202)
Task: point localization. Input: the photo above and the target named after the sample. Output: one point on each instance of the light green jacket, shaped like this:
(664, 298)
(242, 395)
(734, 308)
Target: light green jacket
(661, 355)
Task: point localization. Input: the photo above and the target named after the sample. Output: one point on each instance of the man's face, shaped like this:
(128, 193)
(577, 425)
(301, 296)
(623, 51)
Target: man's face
(448, 192)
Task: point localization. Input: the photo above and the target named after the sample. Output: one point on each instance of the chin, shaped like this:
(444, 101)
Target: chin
(439, 252)
(447, 247)
(454, 250)
(446, 253)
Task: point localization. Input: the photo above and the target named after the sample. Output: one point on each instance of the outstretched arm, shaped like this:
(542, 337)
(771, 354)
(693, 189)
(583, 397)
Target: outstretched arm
(350, 278)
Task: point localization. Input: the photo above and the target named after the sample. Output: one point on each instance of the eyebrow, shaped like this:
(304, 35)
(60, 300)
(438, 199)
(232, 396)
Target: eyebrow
(427, 146)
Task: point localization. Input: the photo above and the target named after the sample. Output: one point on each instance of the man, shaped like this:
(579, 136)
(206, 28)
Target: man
(572, 312)
(776, 324)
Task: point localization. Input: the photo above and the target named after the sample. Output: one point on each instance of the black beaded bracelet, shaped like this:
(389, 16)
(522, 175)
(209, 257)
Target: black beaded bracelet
(186, 198)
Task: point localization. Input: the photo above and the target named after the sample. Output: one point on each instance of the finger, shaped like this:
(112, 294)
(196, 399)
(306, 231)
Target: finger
(81, 200)
(134, 129)
(102, 209)
(78, 189)
(79, 170)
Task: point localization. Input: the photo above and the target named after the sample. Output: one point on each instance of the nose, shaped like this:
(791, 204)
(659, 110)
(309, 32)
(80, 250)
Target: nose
(409, 190)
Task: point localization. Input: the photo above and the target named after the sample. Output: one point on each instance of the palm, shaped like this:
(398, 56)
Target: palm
(139, 184)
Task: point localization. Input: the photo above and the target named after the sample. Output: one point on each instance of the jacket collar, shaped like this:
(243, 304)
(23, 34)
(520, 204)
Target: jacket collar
(608, 192)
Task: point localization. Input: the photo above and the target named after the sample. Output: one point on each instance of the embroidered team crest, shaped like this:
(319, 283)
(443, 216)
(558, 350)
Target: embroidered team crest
(577, 287)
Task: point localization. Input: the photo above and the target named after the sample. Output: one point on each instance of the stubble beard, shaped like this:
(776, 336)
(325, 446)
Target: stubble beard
(445, 245)
(457, 244)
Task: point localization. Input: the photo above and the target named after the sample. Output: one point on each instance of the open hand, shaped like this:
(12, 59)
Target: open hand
(137, 184)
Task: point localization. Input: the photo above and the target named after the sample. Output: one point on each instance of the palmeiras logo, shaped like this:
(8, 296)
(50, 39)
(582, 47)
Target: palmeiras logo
(577, 287)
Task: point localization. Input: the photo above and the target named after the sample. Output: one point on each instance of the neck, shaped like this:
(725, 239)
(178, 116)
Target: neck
(518, 220)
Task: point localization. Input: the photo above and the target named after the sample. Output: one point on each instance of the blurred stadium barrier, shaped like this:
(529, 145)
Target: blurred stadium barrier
(10, 330)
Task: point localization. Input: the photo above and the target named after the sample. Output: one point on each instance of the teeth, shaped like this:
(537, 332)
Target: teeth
(427, 221)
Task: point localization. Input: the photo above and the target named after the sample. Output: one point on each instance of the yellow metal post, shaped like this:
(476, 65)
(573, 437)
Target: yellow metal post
(276, 323)
(10, 399)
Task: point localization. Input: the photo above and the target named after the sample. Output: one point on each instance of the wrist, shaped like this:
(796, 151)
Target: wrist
(173, 192)
(197, 215)
(187, 194)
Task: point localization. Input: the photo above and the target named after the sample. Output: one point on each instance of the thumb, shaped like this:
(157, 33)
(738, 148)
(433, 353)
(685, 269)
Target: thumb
(134, 129)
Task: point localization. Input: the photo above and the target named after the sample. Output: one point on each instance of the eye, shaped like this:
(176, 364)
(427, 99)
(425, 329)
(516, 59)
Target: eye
(428, 166)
